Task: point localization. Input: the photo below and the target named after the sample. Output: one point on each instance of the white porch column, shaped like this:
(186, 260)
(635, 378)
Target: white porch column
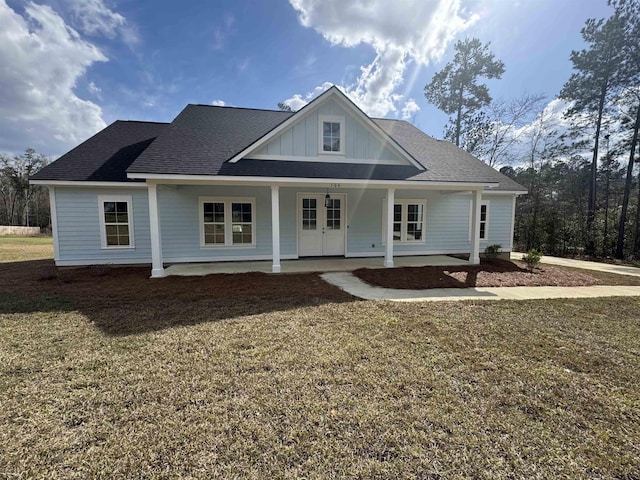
(54, 222)
(474, 255)
(275, 227)
(388, 254)
(157, 267)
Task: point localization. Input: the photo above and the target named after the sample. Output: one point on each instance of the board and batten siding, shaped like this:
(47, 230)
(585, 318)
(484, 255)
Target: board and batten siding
(302, 139)
(79, 234)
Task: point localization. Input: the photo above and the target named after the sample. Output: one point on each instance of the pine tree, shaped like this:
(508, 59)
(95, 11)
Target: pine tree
(455, 89)
(595, 80)
(629, 12)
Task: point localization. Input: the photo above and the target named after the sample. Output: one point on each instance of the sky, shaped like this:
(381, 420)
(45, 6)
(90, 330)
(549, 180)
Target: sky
(68, 68)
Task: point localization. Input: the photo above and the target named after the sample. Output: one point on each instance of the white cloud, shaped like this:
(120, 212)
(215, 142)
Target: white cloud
(93, 17)
(410, 109)
(401, 32)
(223, 31)
(42, 60)
(93, 88)
(218, 103)
(298, 101)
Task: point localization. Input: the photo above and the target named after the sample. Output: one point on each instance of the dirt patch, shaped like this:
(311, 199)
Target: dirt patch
(490, 273)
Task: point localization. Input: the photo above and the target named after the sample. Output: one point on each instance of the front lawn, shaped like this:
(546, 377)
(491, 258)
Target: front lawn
(107, 374)
(14, 248)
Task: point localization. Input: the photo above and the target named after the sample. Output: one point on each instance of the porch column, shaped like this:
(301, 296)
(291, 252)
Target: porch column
(474, 255)
(388, 255)
(54, 222)
(157, 267)
(275, 227)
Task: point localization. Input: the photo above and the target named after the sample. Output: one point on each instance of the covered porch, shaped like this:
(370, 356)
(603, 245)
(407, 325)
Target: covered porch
(279, 210)
(308, 265)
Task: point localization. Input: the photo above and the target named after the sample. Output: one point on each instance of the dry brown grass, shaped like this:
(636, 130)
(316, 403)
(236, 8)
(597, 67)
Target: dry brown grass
(113, 375)
(14, 249)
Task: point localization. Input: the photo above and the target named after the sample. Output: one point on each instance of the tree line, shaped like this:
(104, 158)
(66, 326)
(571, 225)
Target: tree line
(20, 203)
(579, 167)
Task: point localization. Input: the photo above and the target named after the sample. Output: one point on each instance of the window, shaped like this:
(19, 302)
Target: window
(116, 220)
(331, 134)
(484, 219)
(309, 214)
(330, 137)
(408, 221)
(227, 222)
(333, 214)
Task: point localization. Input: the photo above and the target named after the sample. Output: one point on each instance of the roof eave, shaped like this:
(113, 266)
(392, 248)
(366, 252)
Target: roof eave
(240, 179)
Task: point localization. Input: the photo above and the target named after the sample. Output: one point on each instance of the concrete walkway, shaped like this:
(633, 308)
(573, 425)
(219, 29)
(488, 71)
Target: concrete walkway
(569, 262)
(356, 287)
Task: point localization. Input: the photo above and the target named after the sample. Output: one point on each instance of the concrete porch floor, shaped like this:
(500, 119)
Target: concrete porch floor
(336, 264)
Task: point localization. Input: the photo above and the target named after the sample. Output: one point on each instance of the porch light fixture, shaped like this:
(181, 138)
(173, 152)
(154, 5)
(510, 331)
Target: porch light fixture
(327, 200)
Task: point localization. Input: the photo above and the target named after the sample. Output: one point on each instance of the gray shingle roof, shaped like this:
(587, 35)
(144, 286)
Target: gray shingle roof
(442, 159)
(105, 156)
(202, 138)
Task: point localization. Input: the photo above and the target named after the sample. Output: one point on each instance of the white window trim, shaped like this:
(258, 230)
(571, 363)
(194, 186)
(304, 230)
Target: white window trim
(486, 203)
(332, 119)
(103, 228)
(403, 229)
(228, 233)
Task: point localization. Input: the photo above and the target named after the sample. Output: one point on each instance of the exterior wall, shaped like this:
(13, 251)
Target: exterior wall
(79, 234)
(301, 140)
(500, 210)
(447, 223)
(180, 223)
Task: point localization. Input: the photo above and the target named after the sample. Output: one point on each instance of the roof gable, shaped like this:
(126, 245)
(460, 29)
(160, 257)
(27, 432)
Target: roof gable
(300, 137)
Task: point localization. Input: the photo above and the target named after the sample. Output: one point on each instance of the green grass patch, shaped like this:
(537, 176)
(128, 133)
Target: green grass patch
(21, 240)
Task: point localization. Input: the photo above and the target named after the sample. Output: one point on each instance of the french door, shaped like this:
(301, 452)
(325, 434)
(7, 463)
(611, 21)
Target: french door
(321, 229)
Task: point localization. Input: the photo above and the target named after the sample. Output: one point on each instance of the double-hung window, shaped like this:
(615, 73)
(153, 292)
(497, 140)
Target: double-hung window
(331, 134)
(409, 218)
(226, 222)
(116, 221)
(484, 220)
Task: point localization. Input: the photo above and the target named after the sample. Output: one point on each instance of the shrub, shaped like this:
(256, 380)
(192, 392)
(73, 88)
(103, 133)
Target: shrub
(492, 250)
(532, 259)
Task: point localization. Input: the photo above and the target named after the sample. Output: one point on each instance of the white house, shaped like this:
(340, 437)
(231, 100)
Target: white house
(230, 184)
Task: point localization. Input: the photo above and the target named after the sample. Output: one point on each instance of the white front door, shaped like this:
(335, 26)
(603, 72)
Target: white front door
(321, 229)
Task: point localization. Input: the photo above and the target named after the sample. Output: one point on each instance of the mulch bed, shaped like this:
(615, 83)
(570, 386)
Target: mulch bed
(490, 273)
(104, 293)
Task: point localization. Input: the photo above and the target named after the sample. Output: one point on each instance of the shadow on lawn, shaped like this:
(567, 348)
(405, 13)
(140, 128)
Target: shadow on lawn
(124, 301)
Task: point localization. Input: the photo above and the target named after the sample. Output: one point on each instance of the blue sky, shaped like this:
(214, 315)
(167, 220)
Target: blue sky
(71, 67)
